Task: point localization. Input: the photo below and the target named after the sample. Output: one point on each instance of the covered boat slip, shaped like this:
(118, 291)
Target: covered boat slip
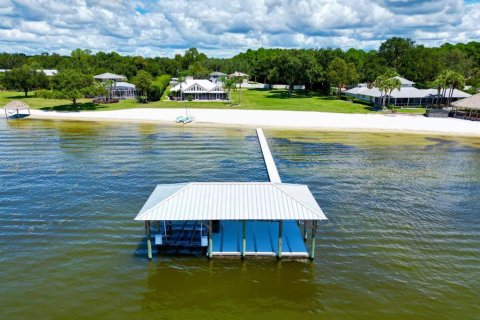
(239, 218)
(261, 240)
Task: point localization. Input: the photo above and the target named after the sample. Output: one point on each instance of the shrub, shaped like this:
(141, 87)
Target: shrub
(158, 87)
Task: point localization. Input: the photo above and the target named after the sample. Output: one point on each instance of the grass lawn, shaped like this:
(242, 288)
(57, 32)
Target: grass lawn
(250, 99)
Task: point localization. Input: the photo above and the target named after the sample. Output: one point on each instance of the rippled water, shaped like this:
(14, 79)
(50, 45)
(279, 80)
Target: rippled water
(402, 240)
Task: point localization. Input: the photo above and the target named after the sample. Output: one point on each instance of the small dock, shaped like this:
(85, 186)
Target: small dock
(268, 158)
(234, 219)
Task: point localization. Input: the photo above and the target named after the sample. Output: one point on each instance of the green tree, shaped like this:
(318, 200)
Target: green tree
(229, 85)
(143, 82)
(453, 80)
(288, 68)
(392, 84)
(341, 73)
(25, 78)
(72, 84)
(396, 52)
(197, 70)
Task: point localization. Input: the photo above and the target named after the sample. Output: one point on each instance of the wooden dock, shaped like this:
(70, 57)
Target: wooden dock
(268, 158)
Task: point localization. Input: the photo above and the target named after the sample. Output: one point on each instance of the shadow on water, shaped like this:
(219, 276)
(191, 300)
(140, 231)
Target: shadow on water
(196, 287)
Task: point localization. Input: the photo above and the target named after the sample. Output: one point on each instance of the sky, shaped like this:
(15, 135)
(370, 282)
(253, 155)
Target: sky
(223, 28)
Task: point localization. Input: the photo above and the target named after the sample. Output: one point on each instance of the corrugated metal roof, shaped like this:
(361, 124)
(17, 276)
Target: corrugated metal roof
(404, 81)
(231, 201)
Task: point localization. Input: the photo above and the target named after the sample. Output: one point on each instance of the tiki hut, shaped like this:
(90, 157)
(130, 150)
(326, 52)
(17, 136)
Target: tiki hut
(468, 108)
(238, 74)
(15, 107)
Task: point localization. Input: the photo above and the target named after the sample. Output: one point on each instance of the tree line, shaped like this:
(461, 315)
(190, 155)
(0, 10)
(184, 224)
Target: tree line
(318, 69)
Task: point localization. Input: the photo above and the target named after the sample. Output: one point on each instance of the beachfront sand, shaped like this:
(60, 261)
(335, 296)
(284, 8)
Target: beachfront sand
(281, 119)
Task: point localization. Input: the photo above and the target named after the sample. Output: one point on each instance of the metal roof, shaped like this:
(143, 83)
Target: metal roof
(404, 81)
(404, 92)
(207, 85)
(109, 76)
(120, 84)
(231, 201)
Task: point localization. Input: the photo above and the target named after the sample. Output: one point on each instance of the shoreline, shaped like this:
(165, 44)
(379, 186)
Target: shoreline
(298, 120)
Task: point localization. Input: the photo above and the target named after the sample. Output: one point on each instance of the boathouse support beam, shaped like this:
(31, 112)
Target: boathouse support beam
(312, 245)
(210, 240)
(149, 241)
(244, 238)
(280, 236)
(305, 231)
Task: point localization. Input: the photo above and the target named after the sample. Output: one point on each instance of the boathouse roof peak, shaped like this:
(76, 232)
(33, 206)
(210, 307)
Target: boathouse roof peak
(231, 201)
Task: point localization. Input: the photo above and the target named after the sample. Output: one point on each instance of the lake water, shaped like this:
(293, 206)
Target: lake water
(402, 240)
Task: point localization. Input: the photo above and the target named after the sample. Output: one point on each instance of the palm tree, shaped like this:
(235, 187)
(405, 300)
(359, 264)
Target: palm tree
(229, 85)
(453, 80)
(392, 84)
(381, 84)
(439, 83)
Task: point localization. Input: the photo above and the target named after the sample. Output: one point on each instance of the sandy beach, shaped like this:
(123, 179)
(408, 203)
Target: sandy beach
(281, 119)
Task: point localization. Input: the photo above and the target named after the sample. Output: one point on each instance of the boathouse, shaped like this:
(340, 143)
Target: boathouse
(233, 219)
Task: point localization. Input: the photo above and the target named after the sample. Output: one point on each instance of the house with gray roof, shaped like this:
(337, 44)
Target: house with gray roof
(408, 95)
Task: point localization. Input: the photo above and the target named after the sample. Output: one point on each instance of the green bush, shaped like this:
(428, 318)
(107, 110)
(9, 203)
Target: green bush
(190, 98)
(158, 87)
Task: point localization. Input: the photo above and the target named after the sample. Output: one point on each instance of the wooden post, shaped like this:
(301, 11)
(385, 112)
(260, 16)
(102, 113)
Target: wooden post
(210, 242)
(305, 233)
(312, 248)
(18, 114)
(6, 116)
(280, 236)
(149, 241)
(244, 238)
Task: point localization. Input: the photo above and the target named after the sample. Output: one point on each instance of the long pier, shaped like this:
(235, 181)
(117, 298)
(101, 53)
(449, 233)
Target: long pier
(268, 158)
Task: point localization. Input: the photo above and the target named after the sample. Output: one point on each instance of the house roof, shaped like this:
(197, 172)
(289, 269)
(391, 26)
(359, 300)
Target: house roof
(404, 81)
(124, 85)
(231, 201)
(110, 76)
(188, 85)
(217, 73)
(456, 93)
(472, 102)
(404, 92)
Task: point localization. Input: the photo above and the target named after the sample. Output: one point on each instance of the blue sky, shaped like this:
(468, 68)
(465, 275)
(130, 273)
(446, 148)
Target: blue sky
(224, 28)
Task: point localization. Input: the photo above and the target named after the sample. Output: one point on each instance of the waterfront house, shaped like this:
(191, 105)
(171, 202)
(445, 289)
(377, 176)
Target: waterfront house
(118, 88)
(408, 95)
(199, 89)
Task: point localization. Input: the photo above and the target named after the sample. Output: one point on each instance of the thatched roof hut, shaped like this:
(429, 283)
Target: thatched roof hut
(470, 103)
(238, 74)
(16, 105)
(468, 108)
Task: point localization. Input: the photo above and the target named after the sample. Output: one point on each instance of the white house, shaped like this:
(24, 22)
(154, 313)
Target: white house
(408, 95)
(199, 89)
(216, 76)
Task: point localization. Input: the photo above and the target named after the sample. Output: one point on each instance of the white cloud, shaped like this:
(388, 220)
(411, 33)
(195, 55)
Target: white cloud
(224, 28)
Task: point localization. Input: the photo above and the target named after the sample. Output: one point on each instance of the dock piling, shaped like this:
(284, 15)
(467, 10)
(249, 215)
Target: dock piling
(244, 238)
(312, 246)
